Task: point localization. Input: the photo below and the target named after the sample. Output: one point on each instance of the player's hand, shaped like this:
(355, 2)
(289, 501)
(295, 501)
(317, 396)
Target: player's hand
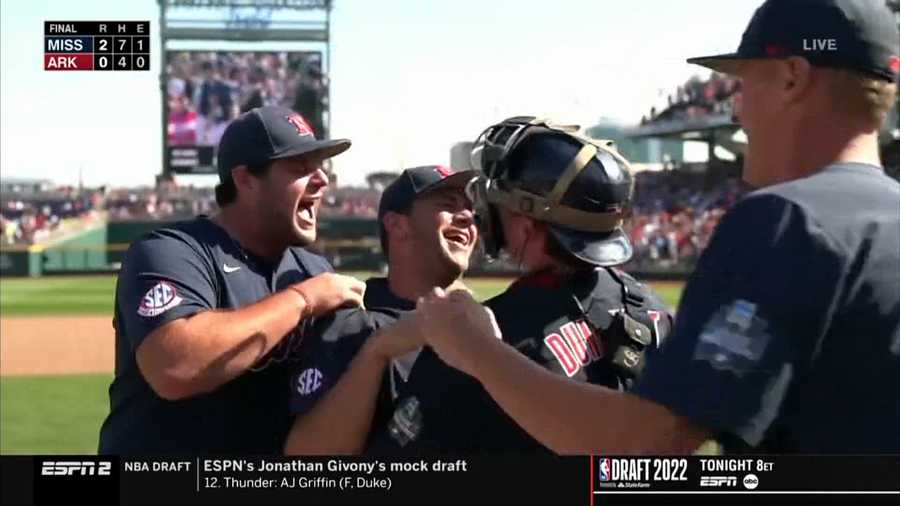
(403, 336)
(456, 326)
(328, 291)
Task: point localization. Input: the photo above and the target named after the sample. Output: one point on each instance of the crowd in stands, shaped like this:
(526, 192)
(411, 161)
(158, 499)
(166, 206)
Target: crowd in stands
(698, 98)
(163, 203)
(675, 214)
(350, 201)
(206, 90)
(35, 218)
(185, 202)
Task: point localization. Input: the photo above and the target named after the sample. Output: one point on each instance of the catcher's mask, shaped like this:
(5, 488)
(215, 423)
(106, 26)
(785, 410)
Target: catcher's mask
(580, 186)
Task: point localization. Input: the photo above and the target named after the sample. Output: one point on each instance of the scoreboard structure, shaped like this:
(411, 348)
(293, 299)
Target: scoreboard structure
(96, 45)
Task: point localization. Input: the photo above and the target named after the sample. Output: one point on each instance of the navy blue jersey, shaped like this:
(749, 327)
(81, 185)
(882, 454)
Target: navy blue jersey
(426, 406)
(564, 322)
(568, 324)
(788, 332)
(176, 272)
(334, 341)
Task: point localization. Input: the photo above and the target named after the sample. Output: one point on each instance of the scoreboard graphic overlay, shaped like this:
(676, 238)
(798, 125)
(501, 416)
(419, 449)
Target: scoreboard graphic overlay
(97, 45)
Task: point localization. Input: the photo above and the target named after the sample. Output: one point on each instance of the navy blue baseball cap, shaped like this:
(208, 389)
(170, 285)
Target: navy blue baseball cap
(269, 133)
(853, 34)
(399, 196)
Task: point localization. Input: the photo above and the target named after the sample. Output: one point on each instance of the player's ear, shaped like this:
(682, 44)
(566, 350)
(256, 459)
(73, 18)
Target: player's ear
(794, 77)
(242, 178)
(396, 225)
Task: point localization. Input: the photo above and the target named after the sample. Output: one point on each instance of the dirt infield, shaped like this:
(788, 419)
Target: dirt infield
(56, 345)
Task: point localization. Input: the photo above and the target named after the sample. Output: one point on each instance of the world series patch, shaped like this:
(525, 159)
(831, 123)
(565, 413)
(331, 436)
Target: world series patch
(734, 339)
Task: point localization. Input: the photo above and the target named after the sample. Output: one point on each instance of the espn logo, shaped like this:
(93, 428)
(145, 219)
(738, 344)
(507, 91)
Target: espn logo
(718, 481)
(76, 468)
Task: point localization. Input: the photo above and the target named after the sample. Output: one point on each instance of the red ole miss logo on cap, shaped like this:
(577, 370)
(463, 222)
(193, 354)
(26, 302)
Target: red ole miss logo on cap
(894, 63)
(775, 50)
(445, 172)
(303, 128)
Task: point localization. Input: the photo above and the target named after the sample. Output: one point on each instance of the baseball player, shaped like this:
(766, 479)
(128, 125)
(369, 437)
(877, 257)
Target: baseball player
(208, 310)
(558, 201)
(346, 378)
(555, 201)
(788, 333)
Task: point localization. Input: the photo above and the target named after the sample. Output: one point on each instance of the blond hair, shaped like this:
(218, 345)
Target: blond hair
(858, 95)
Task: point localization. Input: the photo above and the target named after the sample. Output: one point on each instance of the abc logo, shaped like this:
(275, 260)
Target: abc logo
(751, 481)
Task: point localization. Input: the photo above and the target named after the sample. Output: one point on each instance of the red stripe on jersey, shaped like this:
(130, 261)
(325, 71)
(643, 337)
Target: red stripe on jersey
(563, 354)
(594, 344)
(576, 342)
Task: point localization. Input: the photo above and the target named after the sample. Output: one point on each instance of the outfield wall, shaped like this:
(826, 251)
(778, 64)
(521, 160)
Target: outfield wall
(352, 241)
(82, 252)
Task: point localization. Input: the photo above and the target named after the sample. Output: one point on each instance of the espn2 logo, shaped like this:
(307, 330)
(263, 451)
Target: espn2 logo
(76, 468)
(718, 481)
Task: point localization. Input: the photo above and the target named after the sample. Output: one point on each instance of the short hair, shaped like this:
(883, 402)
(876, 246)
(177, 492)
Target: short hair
(862, 96)
(226, 191)
(382, 232)
(382, 236)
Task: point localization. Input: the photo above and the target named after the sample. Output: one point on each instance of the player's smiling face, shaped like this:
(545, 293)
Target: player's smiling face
(444, 229)
(289, 199)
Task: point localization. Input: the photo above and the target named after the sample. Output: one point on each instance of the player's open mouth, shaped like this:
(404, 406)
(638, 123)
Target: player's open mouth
(458, 237)
(306, 210)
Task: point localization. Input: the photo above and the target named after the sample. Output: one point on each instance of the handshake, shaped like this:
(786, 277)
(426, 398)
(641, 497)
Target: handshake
(452, 322)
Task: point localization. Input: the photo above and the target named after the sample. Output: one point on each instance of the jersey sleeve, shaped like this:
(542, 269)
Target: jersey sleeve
(163, 278)
(759, 298)
(334, 341)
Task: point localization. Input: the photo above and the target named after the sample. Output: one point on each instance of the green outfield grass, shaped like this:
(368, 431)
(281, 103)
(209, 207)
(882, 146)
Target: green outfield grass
(52, 414)
(57, 295)
(74, 295)
(670, 292)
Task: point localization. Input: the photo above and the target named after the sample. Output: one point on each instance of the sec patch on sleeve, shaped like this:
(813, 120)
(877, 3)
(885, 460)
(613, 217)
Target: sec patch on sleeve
(159, 299)
(309, 381)
(734, 339)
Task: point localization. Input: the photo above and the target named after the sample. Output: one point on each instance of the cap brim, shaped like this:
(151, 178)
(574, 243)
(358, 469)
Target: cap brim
(324, 149)
(724, 63)
(602, 249)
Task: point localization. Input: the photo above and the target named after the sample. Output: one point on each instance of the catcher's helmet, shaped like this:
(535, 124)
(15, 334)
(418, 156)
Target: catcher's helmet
(580, 186)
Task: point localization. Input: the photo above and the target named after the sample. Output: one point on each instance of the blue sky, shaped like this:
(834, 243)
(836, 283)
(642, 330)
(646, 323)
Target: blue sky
(409, 78)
